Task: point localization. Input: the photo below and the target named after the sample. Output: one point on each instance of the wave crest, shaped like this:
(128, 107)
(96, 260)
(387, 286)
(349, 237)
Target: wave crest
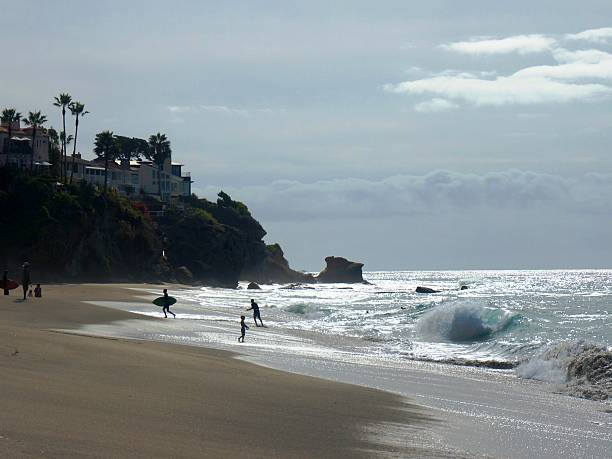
(462, 321)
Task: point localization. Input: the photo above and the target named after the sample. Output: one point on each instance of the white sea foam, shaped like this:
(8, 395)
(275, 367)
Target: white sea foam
(583, 368)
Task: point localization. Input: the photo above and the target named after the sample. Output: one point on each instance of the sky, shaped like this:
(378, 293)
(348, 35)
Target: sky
(405, 135)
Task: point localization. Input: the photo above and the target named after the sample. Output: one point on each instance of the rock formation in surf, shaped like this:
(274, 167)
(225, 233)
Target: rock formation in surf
(341, 270)
(420, 289)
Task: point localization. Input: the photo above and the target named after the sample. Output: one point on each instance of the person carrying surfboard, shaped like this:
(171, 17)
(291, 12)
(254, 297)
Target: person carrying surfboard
(256, 315)
(167, 303)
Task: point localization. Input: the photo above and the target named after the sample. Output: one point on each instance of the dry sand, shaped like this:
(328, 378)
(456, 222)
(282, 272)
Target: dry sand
(68, 395)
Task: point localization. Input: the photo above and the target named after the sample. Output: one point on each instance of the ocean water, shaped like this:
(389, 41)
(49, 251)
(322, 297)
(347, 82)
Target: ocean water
(517, 365)
(553, 326)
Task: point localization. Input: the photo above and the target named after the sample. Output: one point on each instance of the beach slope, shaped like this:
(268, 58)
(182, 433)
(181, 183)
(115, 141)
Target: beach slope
(67, 395)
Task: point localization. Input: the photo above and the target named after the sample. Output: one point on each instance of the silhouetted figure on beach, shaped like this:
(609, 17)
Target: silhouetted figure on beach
(38, 291)
(256, 314)
(166, 307)
(25, 278)
(5, 282)
(243, 328)
(30, 293)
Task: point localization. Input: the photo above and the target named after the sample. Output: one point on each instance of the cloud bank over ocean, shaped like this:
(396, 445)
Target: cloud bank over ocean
(433, 193)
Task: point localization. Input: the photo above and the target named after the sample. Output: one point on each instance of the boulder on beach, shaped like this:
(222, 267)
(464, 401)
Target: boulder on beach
(253, 286)
(420, 289)
(183, 275)
(341, 270)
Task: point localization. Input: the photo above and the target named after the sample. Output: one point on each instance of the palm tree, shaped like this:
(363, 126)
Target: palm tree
(63, 100)
(105, 147)
(10, 116)
(35, 120)
(77, 109)
(54, 149)
(159, 151)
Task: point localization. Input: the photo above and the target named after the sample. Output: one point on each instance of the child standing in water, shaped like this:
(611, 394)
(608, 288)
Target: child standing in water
(243, 328)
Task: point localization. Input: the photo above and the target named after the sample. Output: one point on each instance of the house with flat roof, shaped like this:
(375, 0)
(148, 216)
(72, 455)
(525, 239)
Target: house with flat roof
(22, 152)
(139, 177)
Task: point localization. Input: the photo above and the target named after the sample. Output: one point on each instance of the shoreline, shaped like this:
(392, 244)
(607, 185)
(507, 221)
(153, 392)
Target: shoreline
(146, 398)
(484, 411)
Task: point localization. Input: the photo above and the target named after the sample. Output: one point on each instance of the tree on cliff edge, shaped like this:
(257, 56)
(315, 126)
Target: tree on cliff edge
(10, 116)
(35, 120)
(78, 110)
(159, 151)
(105, 147)
(63, 100)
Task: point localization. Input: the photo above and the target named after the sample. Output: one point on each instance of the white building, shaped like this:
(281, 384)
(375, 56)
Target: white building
(22, 152)
(139, 177)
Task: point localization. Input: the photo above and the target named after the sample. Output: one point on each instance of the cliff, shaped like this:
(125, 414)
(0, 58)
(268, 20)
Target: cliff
(75, 233)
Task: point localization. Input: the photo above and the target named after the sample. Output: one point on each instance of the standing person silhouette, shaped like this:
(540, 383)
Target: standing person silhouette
(256, 314)
(25, 278)
(243, 328)
(5, 282)
(166, 307)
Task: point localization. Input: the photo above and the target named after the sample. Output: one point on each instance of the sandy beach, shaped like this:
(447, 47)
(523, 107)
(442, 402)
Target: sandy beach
(69, 395)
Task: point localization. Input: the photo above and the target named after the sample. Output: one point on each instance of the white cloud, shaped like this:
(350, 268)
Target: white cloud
(574, 66)
(578, 75)
(435, 193)
(602, 35)
(224, 109)
(179, 108)
(521, 44)
(512, 90)
(435, 105)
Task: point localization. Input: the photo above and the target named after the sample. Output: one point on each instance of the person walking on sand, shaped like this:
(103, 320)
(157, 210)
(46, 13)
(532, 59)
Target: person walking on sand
(5, 282)
(166, 307)
(256, 314)
(25, 278)
(38, 291)
(243, 328)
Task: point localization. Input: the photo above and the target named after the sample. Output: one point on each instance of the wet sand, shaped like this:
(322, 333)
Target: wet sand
(67, 395)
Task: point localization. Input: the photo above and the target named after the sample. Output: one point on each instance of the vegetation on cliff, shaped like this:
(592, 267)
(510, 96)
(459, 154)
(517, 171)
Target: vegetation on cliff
(76, 232)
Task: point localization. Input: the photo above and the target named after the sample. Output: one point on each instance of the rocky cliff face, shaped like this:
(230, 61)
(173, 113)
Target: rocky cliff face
(74, 233)
(341, 270)
(274, 268)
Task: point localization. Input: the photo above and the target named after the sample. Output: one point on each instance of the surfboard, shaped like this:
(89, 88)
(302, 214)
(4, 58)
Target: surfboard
(161, 301)
(11, 284)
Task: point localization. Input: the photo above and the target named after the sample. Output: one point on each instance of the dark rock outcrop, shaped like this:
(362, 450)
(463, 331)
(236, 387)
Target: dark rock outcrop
(420, 289)
(341, 270)
(273, 268)
(253, 286)
(183, 275)
(464, 287)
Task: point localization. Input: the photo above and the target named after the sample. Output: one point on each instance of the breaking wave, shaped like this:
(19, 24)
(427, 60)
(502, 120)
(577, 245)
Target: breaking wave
(583, 368)
(463, 321)
(307, 310)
